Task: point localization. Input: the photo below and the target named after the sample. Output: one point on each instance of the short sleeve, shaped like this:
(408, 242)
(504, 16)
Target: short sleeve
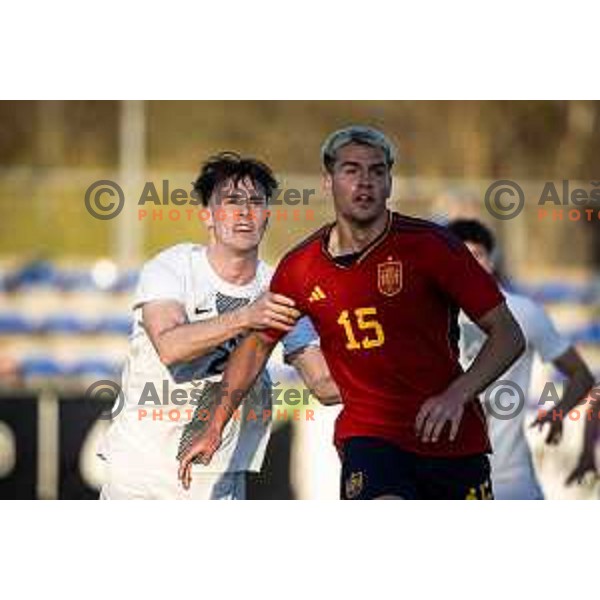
(543, 335)
(300, 337)
(282, 283)
(161, 278)
(459, 276)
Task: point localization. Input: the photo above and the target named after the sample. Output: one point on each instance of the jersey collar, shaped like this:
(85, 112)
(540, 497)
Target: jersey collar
(364, 252)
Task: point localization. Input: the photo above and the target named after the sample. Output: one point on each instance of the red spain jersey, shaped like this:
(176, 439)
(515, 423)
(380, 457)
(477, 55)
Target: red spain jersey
(388, 327)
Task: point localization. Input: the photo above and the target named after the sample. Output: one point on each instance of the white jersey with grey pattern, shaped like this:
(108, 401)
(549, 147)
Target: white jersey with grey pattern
(164, 406)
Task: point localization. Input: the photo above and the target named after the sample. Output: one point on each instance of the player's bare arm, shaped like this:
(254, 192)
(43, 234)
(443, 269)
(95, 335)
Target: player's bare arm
(586, 462)
(577, 386)
(312, 367)
(243, 367)
(176, 339)
(504, 345)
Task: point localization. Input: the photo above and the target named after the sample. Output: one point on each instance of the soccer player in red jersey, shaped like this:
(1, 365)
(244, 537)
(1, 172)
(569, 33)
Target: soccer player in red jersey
(384, 291)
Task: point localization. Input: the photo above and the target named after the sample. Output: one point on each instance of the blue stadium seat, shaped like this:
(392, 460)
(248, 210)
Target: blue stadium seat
(16, 323)
(65, 324)
(126, 281)
(42, 366)
(588, 334)
(97, 367)
(558, 292)
(76, 281)
(115, 324)
(39, 273)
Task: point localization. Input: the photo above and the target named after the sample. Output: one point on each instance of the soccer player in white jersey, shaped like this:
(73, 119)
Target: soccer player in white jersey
(513, 475)
(192, 306)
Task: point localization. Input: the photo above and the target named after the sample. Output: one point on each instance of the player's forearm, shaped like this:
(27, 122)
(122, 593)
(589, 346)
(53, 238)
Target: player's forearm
(190, 340)
(592, 422)
(326, 392)
(576, 389)
(504, 345)
(243, 367)
(312, 367)
(324, 389)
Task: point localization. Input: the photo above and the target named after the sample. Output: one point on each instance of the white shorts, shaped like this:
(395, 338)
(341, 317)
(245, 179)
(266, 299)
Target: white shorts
(151, 486)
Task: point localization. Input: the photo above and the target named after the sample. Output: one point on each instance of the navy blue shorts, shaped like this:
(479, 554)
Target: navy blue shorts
(372, 468)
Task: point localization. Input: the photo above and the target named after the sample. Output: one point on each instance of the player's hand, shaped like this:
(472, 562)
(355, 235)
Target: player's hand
(445, 408)
(204, 448)
(271, 310)
(585, 465)
(556, 427)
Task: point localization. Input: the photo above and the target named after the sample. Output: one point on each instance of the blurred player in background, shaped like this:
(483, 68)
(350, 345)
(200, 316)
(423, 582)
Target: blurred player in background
(513, 474)
(383, 291)
(192, 306)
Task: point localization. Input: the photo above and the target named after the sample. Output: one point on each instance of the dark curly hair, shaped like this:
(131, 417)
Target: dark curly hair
(471, 230)
(230, 165)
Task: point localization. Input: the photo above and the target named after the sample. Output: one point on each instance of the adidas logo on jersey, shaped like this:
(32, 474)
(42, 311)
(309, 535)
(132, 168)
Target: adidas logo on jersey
(317, 294)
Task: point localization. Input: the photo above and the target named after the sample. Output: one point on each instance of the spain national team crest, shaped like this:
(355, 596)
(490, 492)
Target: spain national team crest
(354, 484)
(389, 277)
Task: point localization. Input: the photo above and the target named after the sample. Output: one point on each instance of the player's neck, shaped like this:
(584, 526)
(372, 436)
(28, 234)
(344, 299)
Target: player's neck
(348, 237)
(234, 267)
